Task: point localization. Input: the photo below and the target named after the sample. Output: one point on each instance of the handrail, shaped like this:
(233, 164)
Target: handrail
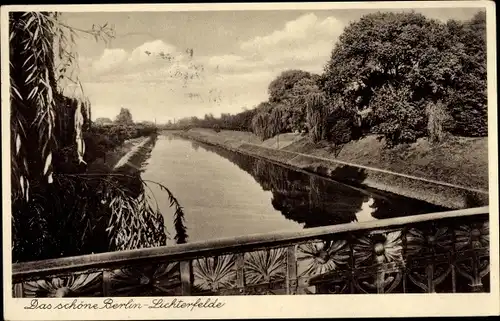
(216, 247)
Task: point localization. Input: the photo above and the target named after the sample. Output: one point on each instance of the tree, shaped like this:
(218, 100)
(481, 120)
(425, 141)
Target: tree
(384, 53)
(124, 117)
(289, 90)
(297, 101)
(317, 112)
(261, 124)
(103, 120)
(59, 207)
(466, 100)
(397, 117)
(280, 88)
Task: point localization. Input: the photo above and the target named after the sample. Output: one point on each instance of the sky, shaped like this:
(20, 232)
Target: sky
(235, 55)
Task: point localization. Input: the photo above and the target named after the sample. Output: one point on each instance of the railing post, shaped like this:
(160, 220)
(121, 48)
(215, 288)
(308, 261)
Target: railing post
(186, 271)
(18, 290)
(240, 272)
(291, 270)
(106, 283)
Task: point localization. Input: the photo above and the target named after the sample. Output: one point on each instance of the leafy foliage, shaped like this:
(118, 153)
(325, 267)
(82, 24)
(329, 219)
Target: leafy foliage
(386, 54)
(124, 117)
(62, 204)
(317, 112)
(103, 120)
(398, 118)
(400, 75)
(436, 122)
(261, 125)
(280, 88)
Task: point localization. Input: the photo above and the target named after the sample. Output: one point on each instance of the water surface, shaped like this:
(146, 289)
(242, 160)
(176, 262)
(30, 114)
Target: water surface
(227, 194)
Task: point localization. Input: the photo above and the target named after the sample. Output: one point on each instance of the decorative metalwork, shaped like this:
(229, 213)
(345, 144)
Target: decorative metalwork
(432, 240)
(81, 285)
(265, 266)
(473, 236)
(214, 273)
(441, 256)
(145, 280)
(378, 248)
(323, 256)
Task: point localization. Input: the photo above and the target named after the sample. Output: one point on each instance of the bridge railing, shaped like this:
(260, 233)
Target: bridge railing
(442, 252)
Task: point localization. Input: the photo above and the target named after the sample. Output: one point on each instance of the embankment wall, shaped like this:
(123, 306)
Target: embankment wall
(434, 192)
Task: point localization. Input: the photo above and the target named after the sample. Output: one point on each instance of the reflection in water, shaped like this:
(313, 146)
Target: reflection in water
(316, 201)
(366, 212)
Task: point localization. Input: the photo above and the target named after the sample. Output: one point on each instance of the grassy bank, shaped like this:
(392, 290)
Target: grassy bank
(459, 161)
(459, 166)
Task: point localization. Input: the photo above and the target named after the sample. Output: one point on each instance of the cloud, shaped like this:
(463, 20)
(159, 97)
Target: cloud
(150, 50)
(115, 63)
(293, 30)
(216, 61)
(307, 41)
(157, 79)
(304, 30)
(110, 59)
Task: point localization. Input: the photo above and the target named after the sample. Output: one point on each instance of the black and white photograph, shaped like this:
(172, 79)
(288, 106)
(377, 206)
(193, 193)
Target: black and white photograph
(173, 157)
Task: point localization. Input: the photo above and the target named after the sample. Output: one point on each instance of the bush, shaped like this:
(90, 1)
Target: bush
(341, 127)
(317, 112)
(436, 121)
(260, 125)
(396, 117)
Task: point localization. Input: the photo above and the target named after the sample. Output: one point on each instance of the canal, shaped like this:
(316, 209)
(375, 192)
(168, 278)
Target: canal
(227, 194)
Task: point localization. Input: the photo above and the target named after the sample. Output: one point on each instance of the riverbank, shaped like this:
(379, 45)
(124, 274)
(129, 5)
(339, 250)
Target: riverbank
(136, 156)
(113, 157)
(453, 174)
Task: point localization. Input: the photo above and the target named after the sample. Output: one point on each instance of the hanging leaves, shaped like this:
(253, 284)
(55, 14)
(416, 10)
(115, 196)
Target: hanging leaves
(48, 162)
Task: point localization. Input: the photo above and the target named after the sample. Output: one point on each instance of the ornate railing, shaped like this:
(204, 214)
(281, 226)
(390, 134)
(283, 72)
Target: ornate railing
(438, 252)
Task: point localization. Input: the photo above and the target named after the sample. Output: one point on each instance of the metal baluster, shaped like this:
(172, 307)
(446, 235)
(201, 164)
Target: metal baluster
(429, 270)
(186, 269)
(291, 271)
(477, 283)
(106, 283)
(18, 290)
(240, 272)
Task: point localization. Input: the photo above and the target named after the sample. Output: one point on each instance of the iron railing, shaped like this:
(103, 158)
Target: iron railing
(444, 252)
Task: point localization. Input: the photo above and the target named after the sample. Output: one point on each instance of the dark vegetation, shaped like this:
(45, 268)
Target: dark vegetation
(63, 202)
(401, 76)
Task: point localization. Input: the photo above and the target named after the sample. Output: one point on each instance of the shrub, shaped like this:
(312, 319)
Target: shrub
(316, 116)
(397, 118)
(341, 127)
(260, 125)
(436, 121)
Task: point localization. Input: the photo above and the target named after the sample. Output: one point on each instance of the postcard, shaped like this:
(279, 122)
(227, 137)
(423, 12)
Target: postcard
(212, 161)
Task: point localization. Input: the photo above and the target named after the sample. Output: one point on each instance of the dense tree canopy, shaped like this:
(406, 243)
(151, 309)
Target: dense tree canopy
(280, 89)
(399, 75)
(124, 117)
(384, 55)
(103, 120)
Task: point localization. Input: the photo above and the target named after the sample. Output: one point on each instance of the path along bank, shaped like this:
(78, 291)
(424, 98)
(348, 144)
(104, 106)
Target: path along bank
(417, 171)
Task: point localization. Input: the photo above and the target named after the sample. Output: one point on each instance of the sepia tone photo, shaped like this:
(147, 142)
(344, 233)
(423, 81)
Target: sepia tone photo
(247, 152)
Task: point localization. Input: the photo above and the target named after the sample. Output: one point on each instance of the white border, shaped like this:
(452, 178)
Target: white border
(273, 306)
